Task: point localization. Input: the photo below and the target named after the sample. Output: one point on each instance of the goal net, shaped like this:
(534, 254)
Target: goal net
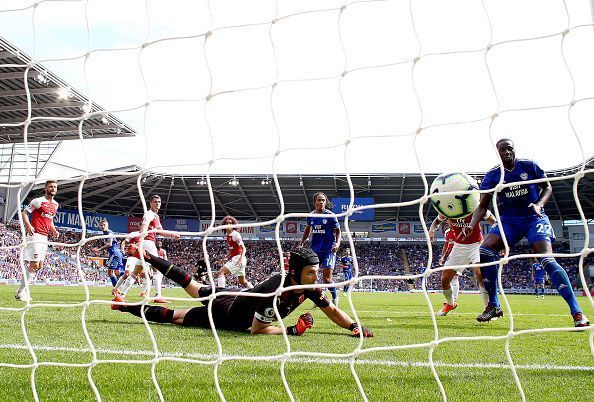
(378, 87)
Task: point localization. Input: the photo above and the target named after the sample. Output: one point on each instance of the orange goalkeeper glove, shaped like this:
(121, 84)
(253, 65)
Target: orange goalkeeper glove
(356, 330)
(304, 323)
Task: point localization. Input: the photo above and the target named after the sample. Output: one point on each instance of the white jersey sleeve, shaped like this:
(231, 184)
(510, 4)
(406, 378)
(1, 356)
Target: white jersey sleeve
(34, 204)
(236, 237)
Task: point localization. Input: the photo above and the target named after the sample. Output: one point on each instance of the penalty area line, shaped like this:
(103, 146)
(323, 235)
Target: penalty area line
(305, 359)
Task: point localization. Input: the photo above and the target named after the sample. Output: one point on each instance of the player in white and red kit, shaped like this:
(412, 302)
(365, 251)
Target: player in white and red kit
(235, 260)
(286, 258)
(463, 252)
(42, 211)
(150, 222)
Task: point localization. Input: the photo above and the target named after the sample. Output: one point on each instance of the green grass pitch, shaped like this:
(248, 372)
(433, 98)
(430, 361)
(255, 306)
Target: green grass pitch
(555, 366)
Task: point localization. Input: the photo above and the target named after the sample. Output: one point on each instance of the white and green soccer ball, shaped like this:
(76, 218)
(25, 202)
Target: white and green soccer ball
(454, 206)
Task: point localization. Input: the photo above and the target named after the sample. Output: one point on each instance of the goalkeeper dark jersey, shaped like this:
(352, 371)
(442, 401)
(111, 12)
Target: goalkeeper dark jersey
(238, 312)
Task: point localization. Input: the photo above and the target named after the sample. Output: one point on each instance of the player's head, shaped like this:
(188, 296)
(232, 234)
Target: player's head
(155, 203)
(229, 220)
(159, 245)
(506, 150)
(321, 201)
(304, 266)
(347, 251)
(51, 187)
(535, 260)
(287, 254)
(104, 225)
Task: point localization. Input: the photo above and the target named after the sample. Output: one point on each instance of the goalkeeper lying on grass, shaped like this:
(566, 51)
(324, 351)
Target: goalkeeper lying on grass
(241, 313)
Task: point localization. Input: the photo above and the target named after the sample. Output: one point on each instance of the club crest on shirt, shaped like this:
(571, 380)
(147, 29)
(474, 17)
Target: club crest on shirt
(301, 298)
(324, 221)
(524, 176)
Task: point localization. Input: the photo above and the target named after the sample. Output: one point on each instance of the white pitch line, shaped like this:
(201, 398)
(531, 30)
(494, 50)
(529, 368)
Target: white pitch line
(415, 313)
(316, 360)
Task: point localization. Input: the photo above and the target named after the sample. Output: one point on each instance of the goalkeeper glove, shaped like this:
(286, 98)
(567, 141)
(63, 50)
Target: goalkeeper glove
(304, 323)
(356, 330)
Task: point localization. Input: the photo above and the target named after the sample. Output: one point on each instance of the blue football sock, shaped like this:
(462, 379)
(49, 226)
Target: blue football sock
(561, 281)
(114, 280)
(332, 292)
(542, 291)
(536, 290)
(489, 273)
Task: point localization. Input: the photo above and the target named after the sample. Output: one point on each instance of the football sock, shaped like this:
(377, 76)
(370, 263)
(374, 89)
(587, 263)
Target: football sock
(447, 293)
(484, 295)
(455, 288)
(121, 280)
(489, 274)
(561, 282)
(332, 290)
(536, 290)
(249, 285)
(175, 273)
(127, 283)
(158, 276)
(152, 313)
(28, 278)
(542, 291)
(221, 281)
(114, 280)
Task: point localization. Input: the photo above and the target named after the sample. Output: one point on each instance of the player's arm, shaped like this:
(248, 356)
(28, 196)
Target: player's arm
(490, 217)
(102, 248)
(477, 215)
(53, 228)
(532, 273)
(341, 319)
(546, 190)
(123, 245)
(444, 252)
(337, 238)
(28, 227)
(265, 328)
(434, 226)
(305, 236)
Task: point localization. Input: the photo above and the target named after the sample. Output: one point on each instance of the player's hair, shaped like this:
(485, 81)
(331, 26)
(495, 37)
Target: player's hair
(51, 181)
(503, 140)
(154, 196)
(235, 222)
(328, 202)
(103, 220)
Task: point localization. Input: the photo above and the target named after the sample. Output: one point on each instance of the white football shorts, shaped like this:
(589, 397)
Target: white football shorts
(464, 254)
(235, 266)
(35, 251)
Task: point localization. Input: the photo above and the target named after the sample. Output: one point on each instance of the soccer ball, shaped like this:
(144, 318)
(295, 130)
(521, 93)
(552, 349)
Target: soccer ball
(454, 206)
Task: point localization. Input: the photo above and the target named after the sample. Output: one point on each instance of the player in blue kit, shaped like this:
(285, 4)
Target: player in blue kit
(521, 209)
(115, 263)
(538, 276)
(346, 263)
(325, 239)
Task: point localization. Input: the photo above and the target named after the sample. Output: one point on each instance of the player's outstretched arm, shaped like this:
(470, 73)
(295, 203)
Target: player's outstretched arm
(477, 215)
(305, 236)
(342, 319)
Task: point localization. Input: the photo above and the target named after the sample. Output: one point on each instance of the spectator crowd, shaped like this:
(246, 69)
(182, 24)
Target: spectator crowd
(263, 259)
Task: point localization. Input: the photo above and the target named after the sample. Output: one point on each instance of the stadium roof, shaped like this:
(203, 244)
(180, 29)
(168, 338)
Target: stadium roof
(56, 111)
(254, 197)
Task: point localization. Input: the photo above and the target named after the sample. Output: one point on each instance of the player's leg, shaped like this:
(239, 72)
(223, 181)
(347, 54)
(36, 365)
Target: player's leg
(542, 290)
(156, 313)
(540, 235)
(446, 278)
(489, 253)
(560, 280)
(221, 274)
(133, 269)
(536, 288)
(480, 286)
(455, 284)
(327, 261)
(239, 271)
(33, 254)
(348, 275)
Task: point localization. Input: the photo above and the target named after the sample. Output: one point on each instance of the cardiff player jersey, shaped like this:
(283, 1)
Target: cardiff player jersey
(347, 263)
(539, 272)
(514, 200)
(322, 230)
(114, 244)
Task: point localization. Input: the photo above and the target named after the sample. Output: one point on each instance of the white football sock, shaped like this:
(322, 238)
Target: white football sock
(455, 288)
(484, 295)
(221, 281)
(158, 276)
(447, 293)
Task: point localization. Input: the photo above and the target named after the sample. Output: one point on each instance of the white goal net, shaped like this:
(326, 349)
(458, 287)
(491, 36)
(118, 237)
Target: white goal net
(308, 87)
